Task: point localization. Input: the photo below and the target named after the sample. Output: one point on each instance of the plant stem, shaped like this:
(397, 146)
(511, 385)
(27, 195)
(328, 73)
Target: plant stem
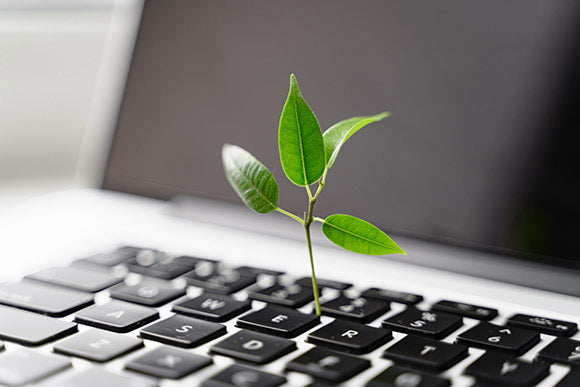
(314, 284)
(308, 219)
(291, 215)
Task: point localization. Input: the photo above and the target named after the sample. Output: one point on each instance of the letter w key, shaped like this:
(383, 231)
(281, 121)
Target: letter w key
(213, 307)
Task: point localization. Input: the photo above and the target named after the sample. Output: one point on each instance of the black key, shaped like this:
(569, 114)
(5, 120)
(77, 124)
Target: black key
(97, 345)
(237, 375)
(433, 324)
(111, 259)
(224, 282)
(117, 316)
(501, 369)
(562, 350)
(350, 337)
(392, 295)
(147, 292)
(168, 362)
(183, 331)
(162, 270)
(1, 346)
(402, 377)
(279, 321)
(328, 365)
(30, 328)
(192, 261)
(543, 325)
(77, 277)
(251, 271)
(147, 257)
(323, 283)
(212, 307)
(570, 380)
(466, 310)
(98, 377)
(427, 353)
(490, 336)
(359, 309)
(253, 347)
(25, 366)
(46, 299)
(293, 296)
(153, 263)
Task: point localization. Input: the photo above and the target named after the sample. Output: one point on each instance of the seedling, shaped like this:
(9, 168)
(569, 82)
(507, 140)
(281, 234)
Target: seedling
(306, 155)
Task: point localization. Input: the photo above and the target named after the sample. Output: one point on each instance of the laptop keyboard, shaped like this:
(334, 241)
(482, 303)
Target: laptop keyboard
(150, 312)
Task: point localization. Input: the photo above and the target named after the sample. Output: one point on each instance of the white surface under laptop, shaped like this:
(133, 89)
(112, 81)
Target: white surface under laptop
(59, 228)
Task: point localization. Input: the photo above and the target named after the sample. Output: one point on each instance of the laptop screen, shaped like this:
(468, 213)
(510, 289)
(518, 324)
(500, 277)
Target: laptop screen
(481, 149)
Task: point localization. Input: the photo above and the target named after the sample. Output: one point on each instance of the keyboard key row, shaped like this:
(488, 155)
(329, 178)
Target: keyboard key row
(358, 309)
(78, 277)
(543, 325)
(278, 321)
(213, 307)
(254, 347)
(97, 345)
(183, 331)
(501, 369)
(31, 329)
(46, 299)
(433, 324)
(426, 353)
(350, 337)
(25, 366)
(147, 292)
(117, 316)
(403, 377)
(237, 375)
(506, 339)
(561, 350)
(328, 365)
(168, 362)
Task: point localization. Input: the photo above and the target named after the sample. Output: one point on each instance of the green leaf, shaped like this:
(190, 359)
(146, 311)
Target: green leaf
(358, 236)
(251, 180)
(300, 139)
(337, 134)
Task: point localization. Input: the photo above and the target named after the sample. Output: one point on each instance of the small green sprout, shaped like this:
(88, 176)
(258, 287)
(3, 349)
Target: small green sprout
(306, 155)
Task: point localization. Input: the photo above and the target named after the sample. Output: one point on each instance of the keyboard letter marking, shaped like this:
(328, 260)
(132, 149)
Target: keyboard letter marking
(506, 331)
(253, 345)
(350, 333)
(508, 367)
(98, 344)
(408, 380)
(148, 291)
(280, 318)
(427, 349)
(245, 378)
(184, 328)
(575, 354)
(328, 361)
(431, 317)
(118, 314)
(418, 324)
(169, 361)
(212, 304)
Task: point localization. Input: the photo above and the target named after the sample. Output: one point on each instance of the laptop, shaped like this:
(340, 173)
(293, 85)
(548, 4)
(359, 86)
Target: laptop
(161, 277)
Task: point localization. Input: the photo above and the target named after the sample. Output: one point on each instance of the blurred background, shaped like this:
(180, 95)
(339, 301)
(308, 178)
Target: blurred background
(482, 148)
(62, 68)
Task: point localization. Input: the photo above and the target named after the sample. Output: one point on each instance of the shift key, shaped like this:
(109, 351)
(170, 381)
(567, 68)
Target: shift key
(41, 298)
